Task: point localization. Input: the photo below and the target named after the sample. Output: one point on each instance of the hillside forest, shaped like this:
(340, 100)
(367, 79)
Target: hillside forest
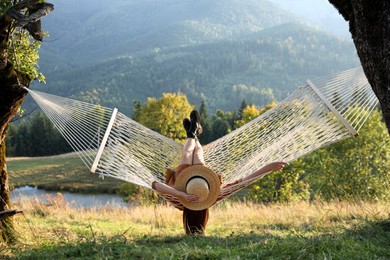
(218, 51)
(261, 68)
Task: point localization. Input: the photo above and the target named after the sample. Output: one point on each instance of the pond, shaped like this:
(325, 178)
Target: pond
(75, 200)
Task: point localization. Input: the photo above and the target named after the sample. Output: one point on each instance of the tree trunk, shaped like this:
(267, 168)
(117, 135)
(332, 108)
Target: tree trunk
(25, 14)
(11, 98)
(6, 224)
(369, 24)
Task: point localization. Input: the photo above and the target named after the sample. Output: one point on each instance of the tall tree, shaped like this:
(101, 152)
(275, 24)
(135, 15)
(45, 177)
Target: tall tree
(247, 114)
(370, 29)
(206, 124)
(20, 27)
(22, 140)
(242, 107)
(165, 115)
(219, 128)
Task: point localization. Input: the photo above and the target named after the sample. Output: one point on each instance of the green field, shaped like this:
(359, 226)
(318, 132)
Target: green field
(60, 173)
(55, 230)
(235, 231)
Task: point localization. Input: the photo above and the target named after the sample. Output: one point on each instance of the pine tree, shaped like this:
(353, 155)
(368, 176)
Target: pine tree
(206, 124)
(136, 110)
(22, 140)
(242, 108)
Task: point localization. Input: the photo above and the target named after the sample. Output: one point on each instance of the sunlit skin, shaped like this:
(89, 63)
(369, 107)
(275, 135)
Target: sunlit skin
(192, 154)
(161, 187)
(275, 166)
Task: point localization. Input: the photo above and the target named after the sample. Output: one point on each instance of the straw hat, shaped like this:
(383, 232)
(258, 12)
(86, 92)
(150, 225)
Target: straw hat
(201, 181)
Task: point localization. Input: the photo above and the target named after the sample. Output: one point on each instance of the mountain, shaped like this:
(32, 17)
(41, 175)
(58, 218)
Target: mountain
(97, 29)
(319, 12)
(222, 51)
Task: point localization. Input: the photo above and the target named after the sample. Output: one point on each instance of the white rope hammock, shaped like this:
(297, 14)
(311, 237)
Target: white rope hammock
(317, 114)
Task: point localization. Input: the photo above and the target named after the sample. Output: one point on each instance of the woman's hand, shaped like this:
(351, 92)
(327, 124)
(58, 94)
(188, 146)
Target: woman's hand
(188, 197)
(276, 166)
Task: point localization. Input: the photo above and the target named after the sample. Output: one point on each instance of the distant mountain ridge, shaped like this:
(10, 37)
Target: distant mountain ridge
(220, 51)
(124, 27)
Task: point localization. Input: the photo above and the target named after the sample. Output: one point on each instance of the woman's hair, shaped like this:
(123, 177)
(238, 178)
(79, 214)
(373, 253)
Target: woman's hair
(195, 221)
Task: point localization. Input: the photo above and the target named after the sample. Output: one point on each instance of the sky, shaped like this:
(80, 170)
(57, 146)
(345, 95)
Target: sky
(321, 12)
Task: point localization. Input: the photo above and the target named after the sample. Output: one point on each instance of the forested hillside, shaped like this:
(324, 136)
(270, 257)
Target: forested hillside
(97, 30)
(259, 68)
(218, 51)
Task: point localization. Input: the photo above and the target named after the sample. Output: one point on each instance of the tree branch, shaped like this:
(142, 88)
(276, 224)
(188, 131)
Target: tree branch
(36, 12)
(31, 21)
(344, 7)
(8, 213)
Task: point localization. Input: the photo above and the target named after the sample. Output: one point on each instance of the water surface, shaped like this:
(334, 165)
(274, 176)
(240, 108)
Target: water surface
(75, 200)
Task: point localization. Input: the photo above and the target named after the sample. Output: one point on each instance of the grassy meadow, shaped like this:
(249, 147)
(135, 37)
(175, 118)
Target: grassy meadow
(235, 231)
(59, 173)
(55, 230)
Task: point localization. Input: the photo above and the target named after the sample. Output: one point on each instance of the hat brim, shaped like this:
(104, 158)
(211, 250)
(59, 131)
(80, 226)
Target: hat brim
(205, 173)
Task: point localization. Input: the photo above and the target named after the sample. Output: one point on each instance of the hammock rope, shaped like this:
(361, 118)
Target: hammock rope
(319, 113)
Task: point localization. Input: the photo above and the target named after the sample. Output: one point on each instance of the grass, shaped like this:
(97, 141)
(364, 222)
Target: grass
(60, 173)
(344, 230)
(235, 231)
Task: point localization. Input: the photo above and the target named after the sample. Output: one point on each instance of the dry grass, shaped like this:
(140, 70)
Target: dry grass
(254, 217)
(224, 218)
(303, 230)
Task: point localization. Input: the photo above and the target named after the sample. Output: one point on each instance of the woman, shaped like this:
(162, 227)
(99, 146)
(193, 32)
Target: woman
(192, 154)
(195, 221)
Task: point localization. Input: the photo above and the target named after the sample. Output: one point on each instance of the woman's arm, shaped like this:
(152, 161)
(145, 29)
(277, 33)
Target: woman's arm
(275, 166)
(163, 188)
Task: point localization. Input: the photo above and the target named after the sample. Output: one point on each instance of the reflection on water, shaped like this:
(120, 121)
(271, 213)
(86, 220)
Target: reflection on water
(76, 200)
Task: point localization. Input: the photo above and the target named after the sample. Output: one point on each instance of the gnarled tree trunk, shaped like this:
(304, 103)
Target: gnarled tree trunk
(369, 24)
(11, 98)
(24, 14)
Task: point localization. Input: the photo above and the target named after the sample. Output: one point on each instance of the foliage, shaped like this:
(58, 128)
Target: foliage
(261, 68)
(356, 168)
(165, 115)
(36, 137)
(353, 169)
(242, 107)
(23, 50)
(4, 6)
(220, 125)
(139, 195)
(286, 186)
(250, 112)
(205, 119)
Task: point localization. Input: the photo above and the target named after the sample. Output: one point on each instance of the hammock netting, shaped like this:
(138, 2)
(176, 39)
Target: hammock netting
(317, 114)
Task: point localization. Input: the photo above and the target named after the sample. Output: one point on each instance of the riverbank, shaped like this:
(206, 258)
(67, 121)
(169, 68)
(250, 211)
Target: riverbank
(75, 200)
(235, 230)
(58, 173)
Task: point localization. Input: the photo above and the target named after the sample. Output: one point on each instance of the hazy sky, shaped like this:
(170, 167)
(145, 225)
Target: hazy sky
(320, 12)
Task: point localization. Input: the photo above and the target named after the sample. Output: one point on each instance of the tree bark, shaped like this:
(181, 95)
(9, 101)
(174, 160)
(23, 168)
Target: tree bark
(369, 24)
(11, 98)
(11, 93)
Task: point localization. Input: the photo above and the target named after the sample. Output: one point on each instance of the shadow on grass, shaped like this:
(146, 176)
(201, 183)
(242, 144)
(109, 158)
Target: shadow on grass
(371, 241)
